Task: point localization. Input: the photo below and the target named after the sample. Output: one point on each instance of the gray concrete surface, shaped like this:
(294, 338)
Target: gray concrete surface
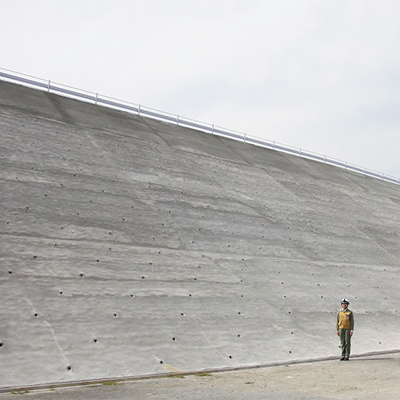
(367, 378)
(133, 247)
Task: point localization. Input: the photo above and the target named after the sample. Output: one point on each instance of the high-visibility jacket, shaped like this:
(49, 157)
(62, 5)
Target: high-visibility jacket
(345, 320)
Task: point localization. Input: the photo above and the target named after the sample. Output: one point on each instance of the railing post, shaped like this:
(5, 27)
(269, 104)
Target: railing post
(95, 100)
(48, 86)
(273, 144)
(177, 119)
(138, 109)
(244, 138)
(212, 129)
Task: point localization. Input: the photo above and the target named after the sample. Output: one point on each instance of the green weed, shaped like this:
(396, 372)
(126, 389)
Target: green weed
(177, 376)
(203, 374)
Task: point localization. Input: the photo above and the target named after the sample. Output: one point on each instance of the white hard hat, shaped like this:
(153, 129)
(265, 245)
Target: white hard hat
(345, 301)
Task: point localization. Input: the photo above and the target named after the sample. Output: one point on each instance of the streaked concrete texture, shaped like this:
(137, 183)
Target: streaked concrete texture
(135, 247)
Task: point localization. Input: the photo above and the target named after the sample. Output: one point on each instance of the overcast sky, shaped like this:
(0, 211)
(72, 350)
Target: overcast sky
(321, 75)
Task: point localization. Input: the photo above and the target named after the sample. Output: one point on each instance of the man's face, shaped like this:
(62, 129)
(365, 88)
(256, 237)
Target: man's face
(344, 306)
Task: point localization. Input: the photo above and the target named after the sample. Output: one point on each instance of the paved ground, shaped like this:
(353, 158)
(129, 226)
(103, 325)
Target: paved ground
(133, 247)
(367, 378)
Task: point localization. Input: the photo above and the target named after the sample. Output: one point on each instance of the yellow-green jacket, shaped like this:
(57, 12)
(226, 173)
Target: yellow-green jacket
(345, 320)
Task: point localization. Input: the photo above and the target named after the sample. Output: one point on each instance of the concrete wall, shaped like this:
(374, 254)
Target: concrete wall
(130, 247)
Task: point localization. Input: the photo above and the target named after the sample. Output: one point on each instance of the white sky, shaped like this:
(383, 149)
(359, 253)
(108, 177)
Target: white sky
(321, 75)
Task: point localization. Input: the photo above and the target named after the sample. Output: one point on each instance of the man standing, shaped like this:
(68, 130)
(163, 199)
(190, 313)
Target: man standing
(344, 329)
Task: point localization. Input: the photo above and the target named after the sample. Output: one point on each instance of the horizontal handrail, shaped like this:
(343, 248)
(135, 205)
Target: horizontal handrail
(137, 109)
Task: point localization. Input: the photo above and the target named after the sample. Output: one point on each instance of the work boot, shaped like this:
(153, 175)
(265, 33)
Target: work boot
(342, 359)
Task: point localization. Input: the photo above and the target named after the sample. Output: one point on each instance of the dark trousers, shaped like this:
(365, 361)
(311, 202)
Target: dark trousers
(345, 342)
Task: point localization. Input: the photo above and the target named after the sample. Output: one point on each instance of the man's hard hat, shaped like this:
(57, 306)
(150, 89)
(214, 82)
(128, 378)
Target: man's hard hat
(345, 301)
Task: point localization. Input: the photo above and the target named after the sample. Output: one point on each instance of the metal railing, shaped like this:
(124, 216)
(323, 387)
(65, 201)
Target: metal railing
(96, 98)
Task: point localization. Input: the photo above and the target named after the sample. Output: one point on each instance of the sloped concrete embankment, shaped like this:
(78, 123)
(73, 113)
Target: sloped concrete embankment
(133, 247)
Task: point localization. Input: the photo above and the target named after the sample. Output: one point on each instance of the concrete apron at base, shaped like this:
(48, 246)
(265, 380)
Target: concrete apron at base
(57, 385)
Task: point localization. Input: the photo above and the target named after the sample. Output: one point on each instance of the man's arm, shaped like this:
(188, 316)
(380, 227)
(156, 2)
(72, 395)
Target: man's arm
(351, 323)
(337, 324)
